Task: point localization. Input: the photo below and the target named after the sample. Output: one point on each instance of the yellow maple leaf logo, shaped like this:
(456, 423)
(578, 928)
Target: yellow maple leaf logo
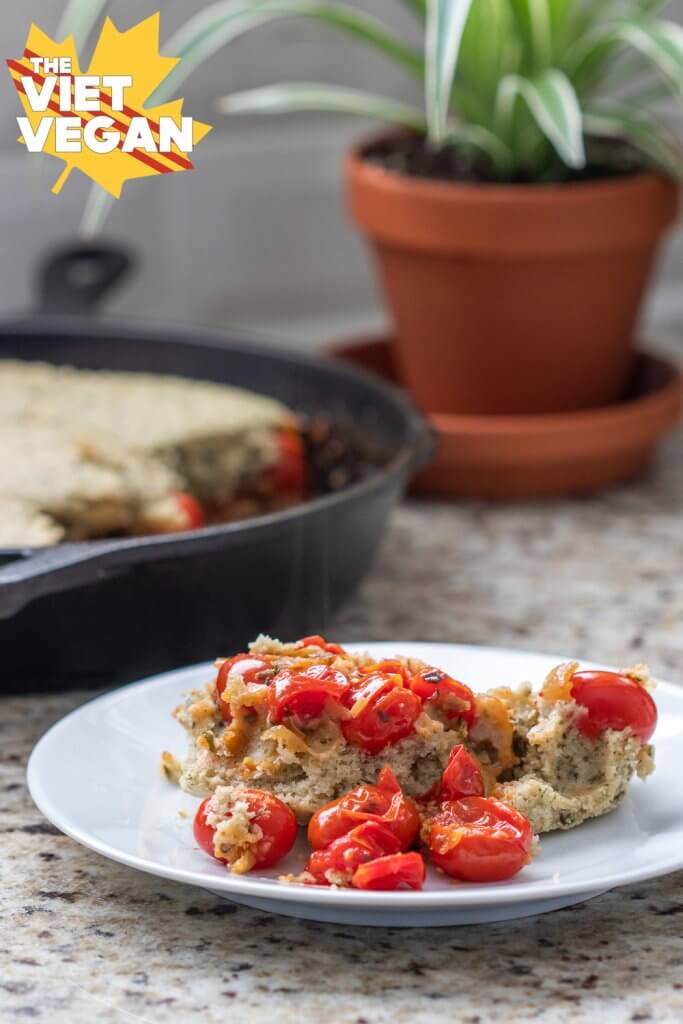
(135, 56)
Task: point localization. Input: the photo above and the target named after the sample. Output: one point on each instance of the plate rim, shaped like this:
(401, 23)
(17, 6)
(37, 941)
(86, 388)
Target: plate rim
(457, 895)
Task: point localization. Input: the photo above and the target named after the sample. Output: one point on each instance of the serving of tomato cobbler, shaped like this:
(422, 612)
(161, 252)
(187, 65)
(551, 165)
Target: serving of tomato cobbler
(393, 763)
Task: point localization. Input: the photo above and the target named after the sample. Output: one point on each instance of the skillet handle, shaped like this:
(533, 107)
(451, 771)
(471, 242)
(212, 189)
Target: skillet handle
(51, 571)
(76, 278)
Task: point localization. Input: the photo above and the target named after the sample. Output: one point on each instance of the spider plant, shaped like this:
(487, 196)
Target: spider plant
(524, 85)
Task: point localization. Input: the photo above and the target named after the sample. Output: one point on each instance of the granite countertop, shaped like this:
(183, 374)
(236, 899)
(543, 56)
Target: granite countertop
(84, 939)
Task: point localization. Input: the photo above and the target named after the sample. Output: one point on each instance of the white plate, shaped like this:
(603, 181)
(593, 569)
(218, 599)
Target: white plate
(96, 776)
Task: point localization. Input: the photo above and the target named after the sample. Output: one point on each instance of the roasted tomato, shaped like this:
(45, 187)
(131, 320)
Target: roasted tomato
(289, 475)
(383, 803)
(337, 863)
(383, 711)
(479, 839)
(252, 670)
(305, 694)
(320, 641)
(461, 776)
(190, 510)
(613, 701)
(391, 872)
(393, 667)
(453, 697)
(203, 832)
(271, 831)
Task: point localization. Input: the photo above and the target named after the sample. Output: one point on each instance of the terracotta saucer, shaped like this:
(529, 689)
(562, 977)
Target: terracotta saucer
(547, 455)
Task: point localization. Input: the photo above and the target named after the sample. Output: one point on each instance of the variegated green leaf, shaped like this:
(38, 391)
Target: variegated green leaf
(97, 208)
(219, 24)
(554, 106)
(489, 50)
(562, 26)
(534, 20)
(275, 99)
(661, 42)
(79, 20)
(446, 21)
(643, 132)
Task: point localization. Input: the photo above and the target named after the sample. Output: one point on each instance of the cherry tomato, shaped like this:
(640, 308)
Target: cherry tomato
(190, 510)
(288, 475)
(479, 839)
(320, 641)
(391, 872)
(613, 701)
(382, 713)
(453, 697)
(365, 842)
(393, 667)
(383, 803)
(305, 694)
(461, 776)
(272, 816)
(203, 832)
(252, 670)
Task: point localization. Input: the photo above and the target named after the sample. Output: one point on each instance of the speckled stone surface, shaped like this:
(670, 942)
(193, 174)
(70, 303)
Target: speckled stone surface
(82, 939)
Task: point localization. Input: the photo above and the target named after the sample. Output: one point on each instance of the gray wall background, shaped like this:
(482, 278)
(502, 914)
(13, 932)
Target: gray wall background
(256, 236)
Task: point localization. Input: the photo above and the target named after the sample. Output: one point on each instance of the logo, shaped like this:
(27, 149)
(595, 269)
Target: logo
(96, 121)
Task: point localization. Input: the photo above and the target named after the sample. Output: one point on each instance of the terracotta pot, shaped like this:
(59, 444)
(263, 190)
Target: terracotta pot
(512, 299)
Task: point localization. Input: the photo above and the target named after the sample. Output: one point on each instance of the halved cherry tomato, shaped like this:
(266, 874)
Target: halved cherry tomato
(320, 641)
(365, 842)
(425, 682)
(191, 512)
(252, 670)
(271, 815)
(479, 839)
(393, 667)
(203, 832)
(613, 701)
(304, 694)
(289, 475)
(453, 697)
(383, 711)
(391, 872)
(461, 776)
(383, 803)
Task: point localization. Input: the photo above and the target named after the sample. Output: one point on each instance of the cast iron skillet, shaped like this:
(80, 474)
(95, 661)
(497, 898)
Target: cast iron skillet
(101, 612)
